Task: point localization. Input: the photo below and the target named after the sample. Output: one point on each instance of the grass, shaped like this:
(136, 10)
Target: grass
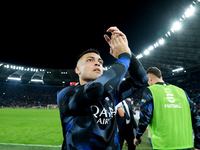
(145, 145)
(38, 127)
(30, 126)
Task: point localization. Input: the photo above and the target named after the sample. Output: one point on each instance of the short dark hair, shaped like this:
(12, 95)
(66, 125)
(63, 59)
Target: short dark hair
(155, 71)
(91, 50)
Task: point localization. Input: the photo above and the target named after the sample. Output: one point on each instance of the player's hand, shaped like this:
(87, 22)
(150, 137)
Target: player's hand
(118, 46)
(197, 149)
(115, 30)
(136, 140)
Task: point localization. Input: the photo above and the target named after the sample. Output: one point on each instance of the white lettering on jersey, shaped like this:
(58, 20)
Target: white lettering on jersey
(103, 116)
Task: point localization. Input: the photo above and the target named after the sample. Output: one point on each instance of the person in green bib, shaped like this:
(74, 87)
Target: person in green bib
(171, 115)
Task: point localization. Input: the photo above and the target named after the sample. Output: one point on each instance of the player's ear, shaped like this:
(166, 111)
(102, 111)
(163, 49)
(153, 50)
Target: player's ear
(150, 78)
(77, 70)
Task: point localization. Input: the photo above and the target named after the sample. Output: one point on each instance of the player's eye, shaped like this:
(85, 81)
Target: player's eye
(101, 62)
(89, 60)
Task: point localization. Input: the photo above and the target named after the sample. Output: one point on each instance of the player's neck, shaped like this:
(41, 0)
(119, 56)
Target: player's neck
(83, 82)
(160, 80)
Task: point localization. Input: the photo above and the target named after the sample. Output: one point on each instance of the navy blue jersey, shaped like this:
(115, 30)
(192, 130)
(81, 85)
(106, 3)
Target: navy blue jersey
(88, 111)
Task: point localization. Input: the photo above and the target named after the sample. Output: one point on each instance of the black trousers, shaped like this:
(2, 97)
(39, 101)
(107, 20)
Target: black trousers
(129, 136)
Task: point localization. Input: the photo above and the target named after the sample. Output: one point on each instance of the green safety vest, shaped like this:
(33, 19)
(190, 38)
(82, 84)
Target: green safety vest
(171, 124)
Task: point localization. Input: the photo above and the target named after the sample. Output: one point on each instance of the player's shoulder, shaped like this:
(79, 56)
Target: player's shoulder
(147, 91)
(65, 90)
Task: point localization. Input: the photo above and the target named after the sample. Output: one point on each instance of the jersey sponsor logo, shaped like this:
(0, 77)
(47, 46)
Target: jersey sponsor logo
(169, 95)
(104, 115)
(173, 103)
(170, 98)
(173, 106)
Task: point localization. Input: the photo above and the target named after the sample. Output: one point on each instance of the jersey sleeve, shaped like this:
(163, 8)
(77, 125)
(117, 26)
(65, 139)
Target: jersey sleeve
(137, 80)
(195, 122)
(146, 112)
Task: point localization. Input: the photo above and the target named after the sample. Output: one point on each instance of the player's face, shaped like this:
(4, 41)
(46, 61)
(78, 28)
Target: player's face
(90, 67)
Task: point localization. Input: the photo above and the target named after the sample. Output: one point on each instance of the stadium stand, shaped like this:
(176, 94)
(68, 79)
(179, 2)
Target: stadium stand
(27, 95)
(16, 94)
(190, 82)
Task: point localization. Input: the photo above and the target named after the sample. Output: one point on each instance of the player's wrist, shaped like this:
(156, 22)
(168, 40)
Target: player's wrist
(124, 55)
(138, 137)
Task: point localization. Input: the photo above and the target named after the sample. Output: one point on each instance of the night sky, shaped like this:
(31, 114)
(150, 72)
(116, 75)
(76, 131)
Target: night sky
(53, 35)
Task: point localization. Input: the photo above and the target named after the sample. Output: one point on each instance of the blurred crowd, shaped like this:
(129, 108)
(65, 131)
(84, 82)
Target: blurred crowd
(16, 94)
(27, 95)
(191, 84)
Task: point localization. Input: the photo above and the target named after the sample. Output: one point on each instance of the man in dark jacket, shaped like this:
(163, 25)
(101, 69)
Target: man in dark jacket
(126, 123)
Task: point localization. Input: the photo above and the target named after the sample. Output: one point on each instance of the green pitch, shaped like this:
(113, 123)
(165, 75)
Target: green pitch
(37, 127)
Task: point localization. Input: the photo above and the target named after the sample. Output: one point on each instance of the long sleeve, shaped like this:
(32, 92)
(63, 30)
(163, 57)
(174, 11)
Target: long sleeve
(76, 100)
(195, 122)
(136, 81)
(146, 112)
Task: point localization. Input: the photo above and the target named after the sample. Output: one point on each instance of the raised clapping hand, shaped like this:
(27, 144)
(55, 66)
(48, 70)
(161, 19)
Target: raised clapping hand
(115, 30)
(118, 42)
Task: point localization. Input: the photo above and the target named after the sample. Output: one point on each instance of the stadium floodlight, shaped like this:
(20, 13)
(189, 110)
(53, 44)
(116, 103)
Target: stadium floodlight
(146, 52)
(150, 48)
(189, 12)
(169, 33)
(176, 26)
(161, 41)
(139, 56)
(12, 78)
(36, 80)
(6, 66)
(156, 45)
(178, 69)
